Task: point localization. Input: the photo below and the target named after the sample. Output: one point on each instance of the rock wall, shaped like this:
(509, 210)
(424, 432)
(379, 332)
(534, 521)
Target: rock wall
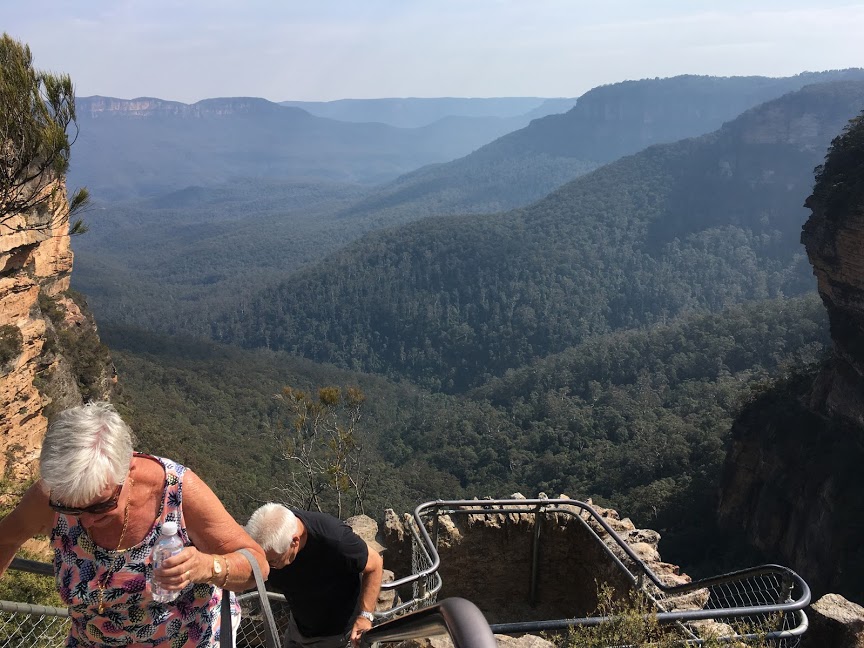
(834, 622)
(791, 482)
(43, 372)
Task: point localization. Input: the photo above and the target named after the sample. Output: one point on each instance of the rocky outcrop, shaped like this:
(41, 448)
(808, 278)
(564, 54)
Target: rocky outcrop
(835, 622)
(834, 239)
(791, 481)
(487, 559)
(42, 370)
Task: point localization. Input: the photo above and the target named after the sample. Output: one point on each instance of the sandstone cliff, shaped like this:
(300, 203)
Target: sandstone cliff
(791, 481)
(51, 357)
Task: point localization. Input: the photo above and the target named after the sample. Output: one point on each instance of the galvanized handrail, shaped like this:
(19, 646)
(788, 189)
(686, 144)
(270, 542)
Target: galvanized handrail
(783, 604)
(791, 580)
(458, 617)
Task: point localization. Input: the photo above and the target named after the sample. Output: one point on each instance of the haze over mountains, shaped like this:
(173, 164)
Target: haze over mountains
(606, 123)
(146, 146)
(450, 302)
(211, 247)
(416, 112)
(581, 305)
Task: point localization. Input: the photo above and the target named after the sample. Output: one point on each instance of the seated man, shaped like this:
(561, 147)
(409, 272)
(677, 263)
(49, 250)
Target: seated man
(326, 571)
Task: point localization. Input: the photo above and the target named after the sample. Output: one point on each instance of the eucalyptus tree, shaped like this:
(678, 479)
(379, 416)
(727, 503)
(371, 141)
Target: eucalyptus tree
(37, 112)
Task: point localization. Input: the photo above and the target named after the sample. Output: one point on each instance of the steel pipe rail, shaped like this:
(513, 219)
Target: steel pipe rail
(32, 566)
(758, 596)
(458, 617)
(786, 606)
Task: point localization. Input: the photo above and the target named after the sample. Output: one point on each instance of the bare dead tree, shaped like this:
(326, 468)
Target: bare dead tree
(321, 438)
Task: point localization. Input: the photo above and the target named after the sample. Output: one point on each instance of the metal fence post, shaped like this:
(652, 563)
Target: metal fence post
(539, 516)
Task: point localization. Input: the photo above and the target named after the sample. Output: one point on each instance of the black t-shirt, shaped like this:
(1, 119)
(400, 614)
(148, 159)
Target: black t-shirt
(322, 585)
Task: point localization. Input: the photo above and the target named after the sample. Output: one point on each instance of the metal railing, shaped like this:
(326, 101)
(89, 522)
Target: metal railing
(455, 616)
(36, 626)
(763, 602)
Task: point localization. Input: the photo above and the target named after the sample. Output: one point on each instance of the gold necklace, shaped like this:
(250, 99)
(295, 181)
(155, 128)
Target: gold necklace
(110, 572)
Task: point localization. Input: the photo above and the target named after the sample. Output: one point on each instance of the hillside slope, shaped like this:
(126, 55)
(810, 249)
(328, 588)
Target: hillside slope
(413, 112)
(699, 224)
(607, 122)
(143, 147)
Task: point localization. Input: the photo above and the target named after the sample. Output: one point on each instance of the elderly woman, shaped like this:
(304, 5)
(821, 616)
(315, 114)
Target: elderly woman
(103, 506)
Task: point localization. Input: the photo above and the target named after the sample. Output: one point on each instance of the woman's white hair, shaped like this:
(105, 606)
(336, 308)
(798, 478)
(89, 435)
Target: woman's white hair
(85, 449)
(273, 526)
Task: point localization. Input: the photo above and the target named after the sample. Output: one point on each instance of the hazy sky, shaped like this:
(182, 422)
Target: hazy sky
(188, 50)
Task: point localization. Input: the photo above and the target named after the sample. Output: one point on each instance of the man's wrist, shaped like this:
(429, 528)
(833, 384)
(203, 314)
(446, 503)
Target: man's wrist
(367, 615)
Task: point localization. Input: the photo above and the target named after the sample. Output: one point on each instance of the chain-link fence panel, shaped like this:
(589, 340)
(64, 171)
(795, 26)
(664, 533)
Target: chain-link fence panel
(253, 625)
(32, 626)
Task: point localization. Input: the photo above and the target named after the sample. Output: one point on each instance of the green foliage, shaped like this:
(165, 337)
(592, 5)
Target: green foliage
(29, 588)
(635, 419)
(211, 408)
(449, 302)
(325, 447)
(839, 187)
(11, 340)
(631, 622)
(80, 345)
(179, 262)
(36, 109)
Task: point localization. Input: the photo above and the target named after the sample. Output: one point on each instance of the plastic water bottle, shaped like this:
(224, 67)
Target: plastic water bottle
(168, 544)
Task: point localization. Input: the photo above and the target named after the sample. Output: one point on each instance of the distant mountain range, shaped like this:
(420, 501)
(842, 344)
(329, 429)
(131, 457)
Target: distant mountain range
(448, 302)
(606, 123)
(415, 112)
(176, 261)
(147, 146)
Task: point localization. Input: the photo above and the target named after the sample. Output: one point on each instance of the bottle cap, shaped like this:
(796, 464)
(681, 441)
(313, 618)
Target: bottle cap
(169, 528)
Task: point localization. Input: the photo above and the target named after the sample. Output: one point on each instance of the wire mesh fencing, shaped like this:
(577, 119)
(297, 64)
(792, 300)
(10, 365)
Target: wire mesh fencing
(757, 606)
(32, 626)
(252, 630)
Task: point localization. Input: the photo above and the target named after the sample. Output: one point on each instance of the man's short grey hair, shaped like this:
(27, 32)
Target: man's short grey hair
(85, 449)
(273, 526)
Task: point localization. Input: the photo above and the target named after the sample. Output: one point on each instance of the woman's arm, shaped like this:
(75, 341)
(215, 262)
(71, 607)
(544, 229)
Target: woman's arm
(31, 517)
(214, 534)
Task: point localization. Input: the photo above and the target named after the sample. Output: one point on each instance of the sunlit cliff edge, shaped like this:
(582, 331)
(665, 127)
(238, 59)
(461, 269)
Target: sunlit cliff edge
(51, 356)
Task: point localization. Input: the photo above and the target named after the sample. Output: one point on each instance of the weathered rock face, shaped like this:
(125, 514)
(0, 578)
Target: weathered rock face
(792, 477)
(834, 239)
(487, 559)
(35, 266)
(101, 107)
(835, 622)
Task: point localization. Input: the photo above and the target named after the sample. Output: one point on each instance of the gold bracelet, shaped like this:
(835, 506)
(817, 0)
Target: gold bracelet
(227, 571)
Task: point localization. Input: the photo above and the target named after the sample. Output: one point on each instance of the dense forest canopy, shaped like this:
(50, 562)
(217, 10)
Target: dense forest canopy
(635, 419)
(449, 302)
(207, 242)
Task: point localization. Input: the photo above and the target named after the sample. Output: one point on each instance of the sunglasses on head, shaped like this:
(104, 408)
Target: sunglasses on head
(99, 507)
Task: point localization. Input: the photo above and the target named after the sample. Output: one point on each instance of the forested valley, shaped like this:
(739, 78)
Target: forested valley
(451, 302)
(597, 342)
(178, 261)
(639, 419)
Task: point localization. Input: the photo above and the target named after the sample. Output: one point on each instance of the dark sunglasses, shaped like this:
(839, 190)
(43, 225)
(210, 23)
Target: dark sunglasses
(99, 507)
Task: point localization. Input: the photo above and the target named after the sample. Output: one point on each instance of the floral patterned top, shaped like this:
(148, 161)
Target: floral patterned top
(131, 617)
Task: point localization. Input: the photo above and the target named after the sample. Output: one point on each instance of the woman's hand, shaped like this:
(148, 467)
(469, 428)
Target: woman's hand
(188, 566)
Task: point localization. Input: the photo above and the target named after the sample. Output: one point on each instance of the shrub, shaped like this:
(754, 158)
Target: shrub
(11, 343)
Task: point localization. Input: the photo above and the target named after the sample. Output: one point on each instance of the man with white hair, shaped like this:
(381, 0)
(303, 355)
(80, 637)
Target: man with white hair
(327, 573)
